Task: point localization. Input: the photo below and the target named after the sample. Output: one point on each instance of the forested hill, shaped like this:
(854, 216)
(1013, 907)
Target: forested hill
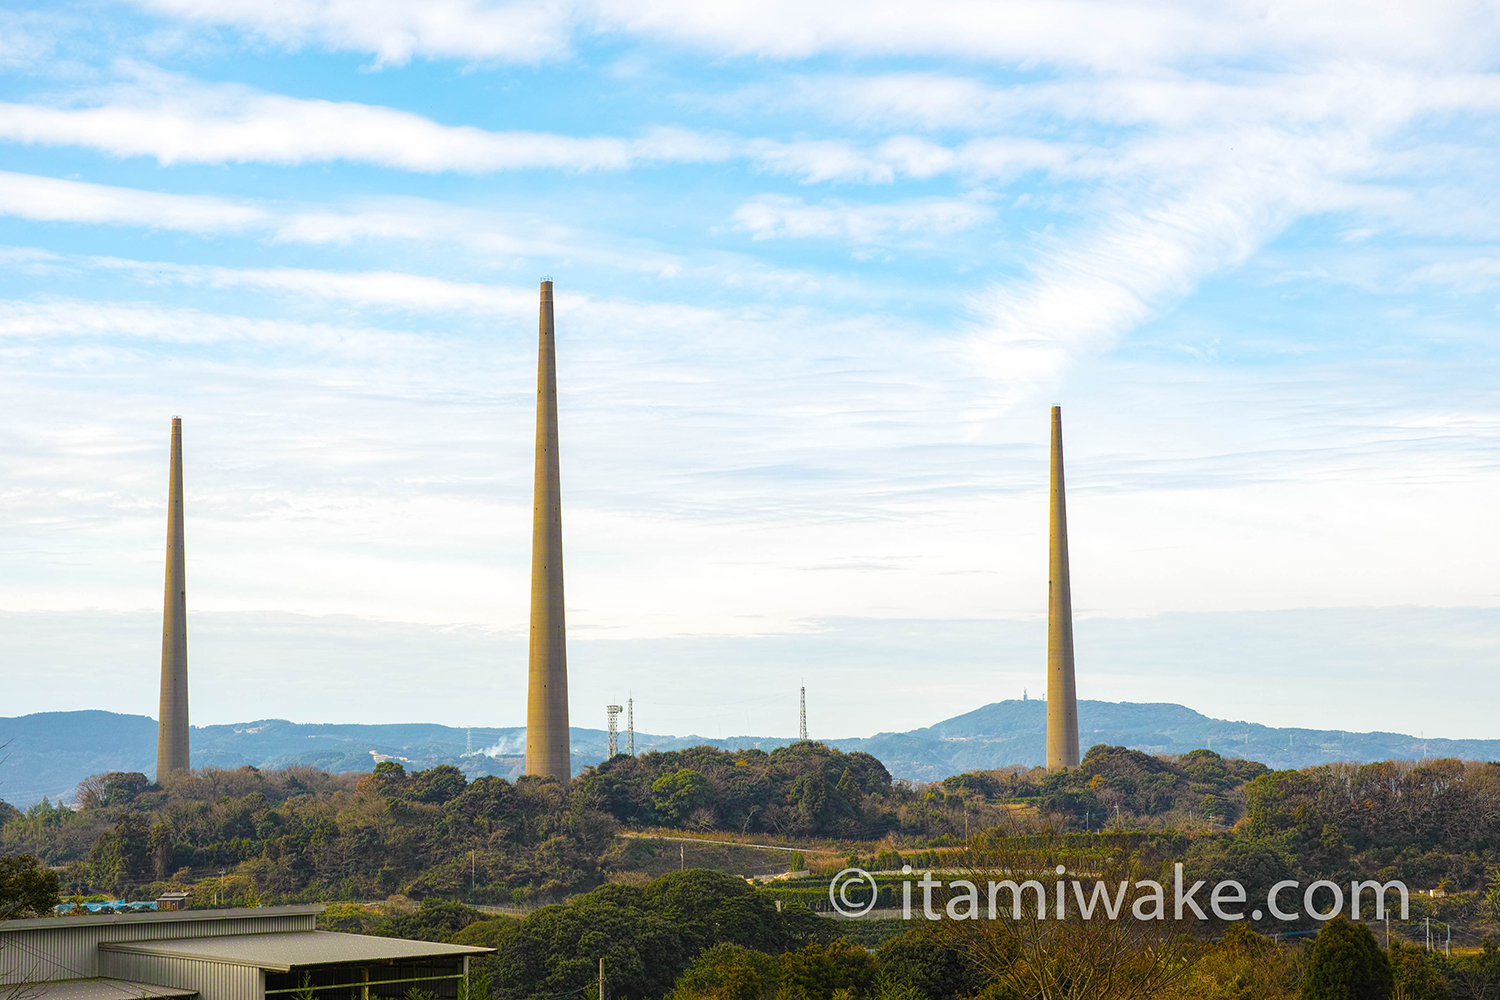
(50, 753)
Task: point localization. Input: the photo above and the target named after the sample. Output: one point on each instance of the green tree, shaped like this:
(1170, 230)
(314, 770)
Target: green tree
(1478, 975)
(1415, 975)
(1242, 966)
(727, 972)
(435, 920)
(932, 961)
(483, 933)
(115, 788)
(817, 972)
(438, 784)
(675, 797)
(556, 949)
(1346, 964)
(27, 887)
(121, 858)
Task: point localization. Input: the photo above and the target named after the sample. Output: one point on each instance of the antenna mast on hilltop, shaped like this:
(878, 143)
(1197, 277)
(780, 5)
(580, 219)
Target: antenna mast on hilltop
(614, 728)
(802, 724)
(630, 726)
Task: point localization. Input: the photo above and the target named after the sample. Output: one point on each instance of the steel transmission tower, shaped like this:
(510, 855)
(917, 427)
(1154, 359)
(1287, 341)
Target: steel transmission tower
(802, 725)
(614, 728)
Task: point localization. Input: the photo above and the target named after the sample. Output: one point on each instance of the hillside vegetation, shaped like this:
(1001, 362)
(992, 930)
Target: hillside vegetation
(584, 869)
(300, 834)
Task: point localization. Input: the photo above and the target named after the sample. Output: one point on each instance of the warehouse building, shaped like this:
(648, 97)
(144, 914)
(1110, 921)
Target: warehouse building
(264, 953)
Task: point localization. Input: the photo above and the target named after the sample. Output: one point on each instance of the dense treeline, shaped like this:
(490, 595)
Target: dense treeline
(702, 935)
(1434, 824)
(302, 834)
(1114, 784)
(801, 789)
(433, 841)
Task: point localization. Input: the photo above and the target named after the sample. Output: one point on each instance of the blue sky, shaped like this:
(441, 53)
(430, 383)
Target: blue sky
(821, 269)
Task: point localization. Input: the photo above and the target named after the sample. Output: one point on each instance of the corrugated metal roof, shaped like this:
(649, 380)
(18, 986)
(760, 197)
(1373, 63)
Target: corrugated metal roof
(162, 916)
(100, 989)
(283, 952)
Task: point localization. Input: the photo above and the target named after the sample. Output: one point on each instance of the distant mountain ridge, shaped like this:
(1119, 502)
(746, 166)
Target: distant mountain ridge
(49, 753)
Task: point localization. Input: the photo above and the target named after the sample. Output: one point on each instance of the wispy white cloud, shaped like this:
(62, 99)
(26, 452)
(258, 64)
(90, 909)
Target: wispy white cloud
(174, 119)
(1477, 274)
(773, 216)
(391, 219)
(1164, 98)
(48, 199)
(1079, 33)
(24, 38)
(126, 322)
(906, 157)
(393, 31)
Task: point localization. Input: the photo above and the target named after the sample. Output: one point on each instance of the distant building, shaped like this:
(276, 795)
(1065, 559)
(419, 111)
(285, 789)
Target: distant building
(264, 953)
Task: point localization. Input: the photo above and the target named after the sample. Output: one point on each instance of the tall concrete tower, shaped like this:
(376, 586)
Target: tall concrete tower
(547, 693)
(1062, 688)
(172, 732)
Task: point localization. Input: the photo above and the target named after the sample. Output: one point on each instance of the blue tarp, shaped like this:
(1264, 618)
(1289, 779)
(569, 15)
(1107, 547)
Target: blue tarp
(109, 906)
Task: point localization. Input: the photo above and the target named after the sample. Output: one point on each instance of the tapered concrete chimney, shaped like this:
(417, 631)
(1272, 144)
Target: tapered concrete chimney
(1062, 688)
(547, 693)
(172, 732)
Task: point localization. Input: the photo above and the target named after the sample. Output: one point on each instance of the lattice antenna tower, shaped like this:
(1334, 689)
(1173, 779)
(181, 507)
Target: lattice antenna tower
(614, 728)
(469, 743)
(802, 724)
(630, 726)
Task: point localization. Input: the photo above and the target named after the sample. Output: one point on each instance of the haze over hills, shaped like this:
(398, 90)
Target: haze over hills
(49, 753)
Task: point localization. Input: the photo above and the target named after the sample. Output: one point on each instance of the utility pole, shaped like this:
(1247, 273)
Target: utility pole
(601, 977)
